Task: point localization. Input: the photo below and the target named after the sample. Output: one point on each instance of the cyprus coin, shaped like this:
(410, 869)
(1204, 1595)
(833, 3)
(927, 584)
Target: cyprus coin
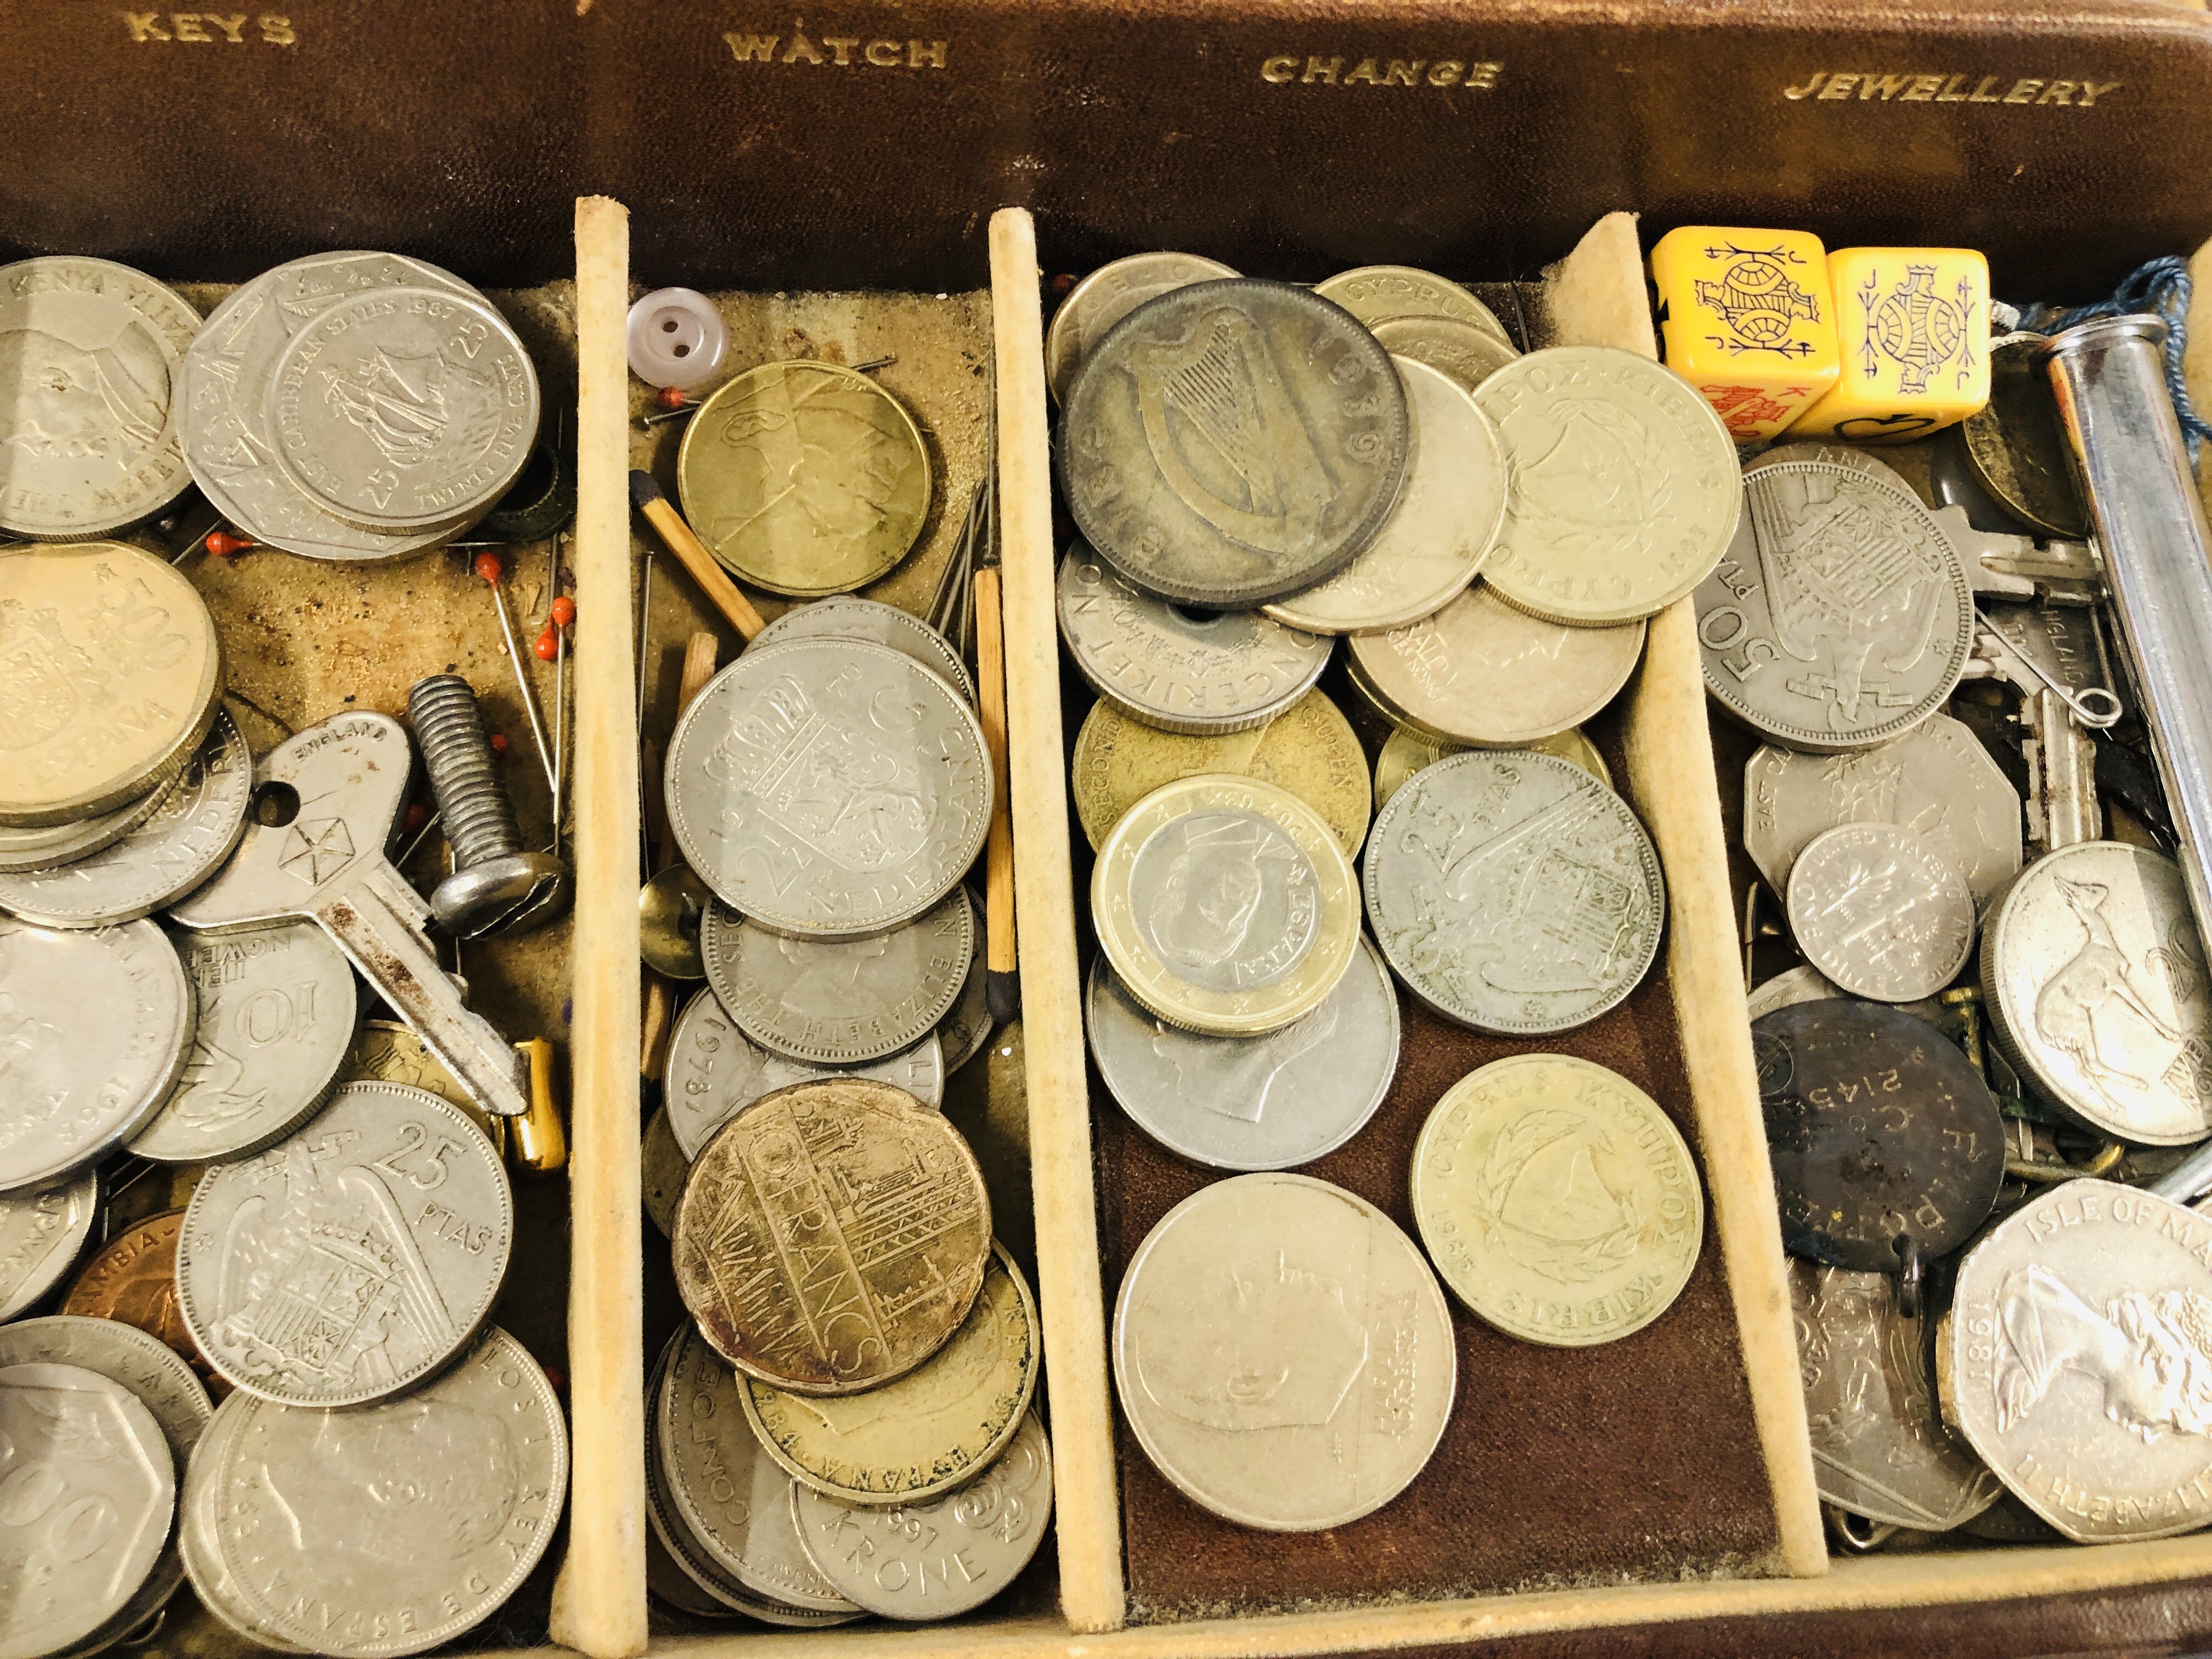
(848, 617)
(1376, 294)
(1313, 1288)
(131, 1279)
(1463, 354)
(1880, 912)
(1233, 442)
(1107, 295)
(1405, 751)
(42, 1233)
(1624, 490)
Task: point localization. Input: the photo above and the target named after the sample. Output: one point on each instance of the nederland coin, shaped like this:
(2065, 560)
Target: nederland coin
(931, 1431)
(1286, 1278)
(1483, 674)
(386, 1051)
(42, 1233)
(662, 1170)
(1435, 538)
(1463, 354)
(1405, 751)
(1513, 893)
(1205, 673)
(1840, 617)
(1623, 485)
(114, 675)
(57, 844)
(1105, 297)
(2093, 976)
(2017, 448)
(965, 1032)
(90, 356)
(98, 1022)
(1232, 442)
(1225, 906)
(132, 1280)
(805, 478)
(829, 789)
(1375, 294)
(1880, 912)
(832, 1238)
(1264, 1103)
(839, 1002)
(404, 409)
(389, 1192)
(1558, 1200)
(848, 617)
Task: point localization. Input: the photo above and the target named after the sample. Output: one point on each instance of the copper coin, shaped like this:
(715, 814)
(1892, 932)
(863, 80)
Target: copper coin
(133, 1280)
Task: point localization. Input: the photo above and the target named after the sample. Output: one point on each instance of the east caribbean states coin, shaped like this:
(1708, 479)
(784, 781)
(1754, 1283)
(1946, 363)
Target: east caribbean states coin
(1376, 294)
(1406, 752)
(132, 1280)
(89, 355)
(1558, 1200)
(1225, 906)
(833, 1237)
(43, 1231)
(839, 1002)
(1880, 912)
(1841, 615)
(97, 1023)
(1105, 297)
(2094, 979)
(1203, 672)
(404, 409)
(1233, 442)
(805, 478)
(113, 674)
(1879, 1131)
(829, 789)
(389, 1194)
(197, 825)
(1623, 488)
(57, 844)
(1437, 536)
(1286, 1278)
(966, 1028)
(1264, 1102)
(931, 1431)
(1463, 354)
(848, 616)
(1513, 893)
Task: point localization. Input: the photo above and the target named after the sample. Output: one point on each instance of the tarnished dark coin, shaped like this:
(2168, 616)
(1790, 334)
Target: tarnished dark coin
(2017, 449)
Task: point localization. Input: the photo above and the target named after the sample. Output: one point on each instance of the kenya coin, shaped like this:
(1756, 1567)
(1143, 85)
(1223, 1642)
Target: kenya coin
(1406, 752)
(1264, 1103)
(1376, 294)
(1225, 906)
(832, 1238)
(57, 844)
(1313, 1288)
(1623, 485)
(2017, 448)
(1463, 354)
(1880, 912)
(1233, 442)
(965, 1032)
(90, 353)
(42, 1233)
(829, 789)
(1105, 297)
(1513, 893)
(386, 1051)
(388, 1191)
(848, 617)
(132, 1280)
(663, 1170)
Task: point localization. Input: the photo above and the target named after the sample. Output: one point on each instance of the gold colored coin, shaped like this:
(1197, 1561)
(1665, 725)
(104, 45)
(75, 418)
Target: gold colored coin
(1405, 751)
(805, 478)
(385, 1051)
(2017, 448)
(1557, 1199)
(661, 1172)
(1465, 355)
(1309, 750)
(935, 1429)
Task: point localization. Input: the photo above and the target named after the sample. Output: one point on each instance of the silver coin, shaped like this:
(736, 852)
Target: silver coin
(1375, 294)
(663, 1168)
(89, 355)
(1199, 672)
(54, 845)
(196, 1534)
(1286, 1278)
(1266, 1102)
(937, 1559)
(1795, 985)
(2095, 981)
(829, 789)
(196, 826)
(352, 1260)
(42, 1234)
(1880, 912)
(848, 616)
(1105, 297)
(1513, 893)
(1840, 618)
(403, 409)
(965, 1032)
(94, 1025)
(1936, 781)
(839, 1002)
(276, 1011)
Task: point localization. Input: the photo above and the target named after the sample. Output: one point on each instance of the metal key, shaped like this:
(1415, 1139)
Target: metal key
(325, 805)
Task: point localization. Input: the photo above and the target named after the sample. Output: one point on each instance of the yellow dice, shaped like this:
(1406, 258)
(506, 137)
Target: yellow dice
(1745, 316)
(1913, 324)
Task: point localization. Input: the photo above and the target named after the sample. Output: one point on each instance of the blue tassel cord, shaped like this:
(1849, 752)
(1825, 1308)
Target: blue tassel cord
(2159, 288)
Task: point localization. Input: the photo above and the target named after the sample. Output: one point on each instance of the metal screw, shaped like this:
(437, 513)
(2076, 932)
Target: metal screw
(496, 887)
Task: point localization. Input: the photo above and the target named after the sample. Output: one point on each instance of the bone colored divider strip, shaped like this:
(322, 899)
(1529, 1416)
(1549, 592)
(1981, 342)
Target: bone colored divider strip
(599, 1600)
(1069, 1292)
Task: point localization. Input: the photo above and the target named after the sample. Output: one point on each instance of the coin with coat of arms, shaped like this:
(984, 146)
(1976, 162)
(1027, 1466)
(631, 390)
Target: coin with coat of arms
(1406, 752)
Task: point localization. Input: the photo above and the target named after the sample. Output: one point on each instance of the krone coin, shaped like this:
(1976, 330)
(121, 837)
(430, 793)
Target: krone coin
(2017, 448)
(1463, 354)
(848, 617)
(1405, 751)
(1105, 297)
(386, 1051)
(42, 1233)
(1375, 294)
(1880, 912)
(132, 1280)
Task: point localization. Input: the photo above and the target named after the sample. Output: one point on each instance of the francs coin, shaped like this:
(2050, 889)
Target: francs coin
(2094, 978)
(2017, 448)
(1623, 485)
(1204, 672)
(388, 1191)
(829, 789)
(89, 354)
(1558, 1200)
(1463, 354)
(1880, 912)
(833, 1237)
(1107, 295)
(848, 617)
(42, 1233)
(1233, 442)
(115, 674)
(1225, 906)
(1405, 751)
(1513, 893)
(805, 478)
(1375, 294)
(1286, 1278)
(132, 1280)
